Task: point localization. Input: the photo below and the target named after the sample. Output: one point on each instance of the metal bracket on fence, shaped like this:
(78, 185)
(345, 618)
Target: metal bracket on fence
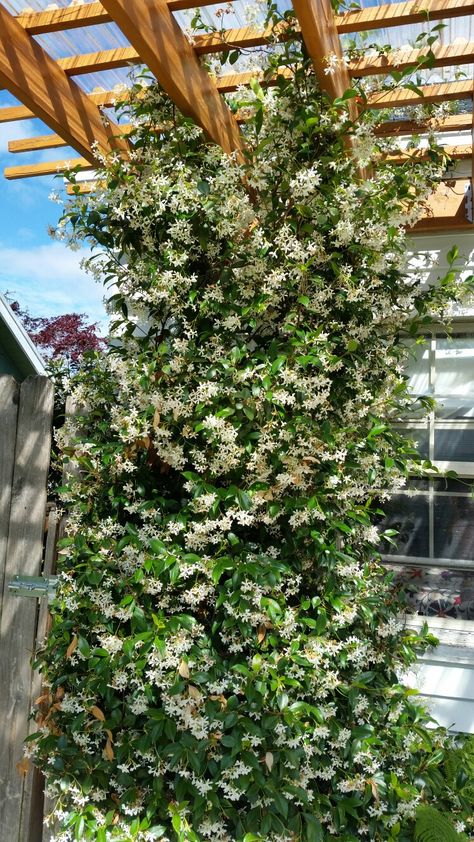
(37, 587)
(468, 200)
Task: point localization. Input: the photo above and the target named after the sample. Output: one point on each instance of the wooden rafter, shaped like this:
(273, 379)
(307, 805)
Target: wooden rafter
(97, 61)
(46, 168)
(31, 75)
(89, 14)
(319, 33)
(443, 56)
(13, 113)
(453, 123)
(153, 32)
(53, 141)
(398, 14)
(456, 153)
(460, 152)
(439, 92)
(391, 128)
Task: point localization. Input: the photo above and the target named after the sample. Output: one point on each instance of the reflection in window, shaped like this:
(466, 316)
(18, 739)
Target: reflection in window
(453, 445)
(410, 517)
(433, 592)
(454, 376)
(453, 527)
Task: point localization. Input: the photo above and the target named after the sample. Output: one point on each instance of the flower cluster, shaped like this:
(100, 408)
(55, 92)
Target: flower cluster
(225, 653)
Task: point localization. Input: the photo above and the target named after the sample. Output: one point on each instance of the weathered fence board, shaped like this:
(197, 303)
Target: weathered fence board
(9, 397)
(20, 813)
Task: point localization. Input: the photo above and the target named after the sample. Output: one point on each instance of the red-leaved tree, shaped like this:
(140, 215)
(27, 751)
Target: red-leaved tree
(65, 337)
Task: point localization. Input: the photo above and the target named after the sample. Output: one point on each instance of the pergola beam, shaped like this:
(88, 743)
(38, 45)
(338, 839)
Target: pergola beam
(47, 168)
(443, 56)
(319, 32)
(89, 14)
(32, 76)
(14, 113)
(400, 14)
(153, 32)
(456, 153)
(439, 92)
(453, 123)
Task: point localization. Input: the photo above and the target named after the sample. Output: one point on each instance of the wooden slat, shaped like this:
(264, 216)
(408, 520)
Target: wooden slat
(224, 84)
(46, 168)
(398, 14)
(152, 30)
(18, 626)
(391, 128)
(35, 144)
(113, 59)
(320, 35)
(444, 56)
(89, 14)
(453, 123)
(457, 153)
(50, 141)
(53, 167)
(105, 99)
(244, 37)
(32, 76)
(101, 60)
(440, 92)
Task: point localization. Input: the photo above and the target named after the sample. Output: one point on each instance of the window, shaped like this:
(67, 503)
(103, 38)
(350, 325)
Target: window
(434, 517)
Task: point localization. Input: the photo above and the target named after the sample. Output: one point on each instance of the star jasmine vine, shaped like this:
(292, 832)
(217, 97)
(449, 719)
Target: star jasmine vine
(226, 655)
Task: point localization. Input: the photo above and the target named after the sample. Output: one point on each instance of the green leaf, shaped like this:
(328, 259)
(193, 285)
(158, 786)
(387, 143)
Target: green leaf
(314, 829)
(257, 89)
(433, 826)
(453, 254)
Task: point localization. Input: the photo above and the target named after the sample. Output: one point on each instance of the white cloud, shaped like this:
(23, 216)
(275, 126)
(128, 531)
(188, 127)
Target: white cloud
(48, 280)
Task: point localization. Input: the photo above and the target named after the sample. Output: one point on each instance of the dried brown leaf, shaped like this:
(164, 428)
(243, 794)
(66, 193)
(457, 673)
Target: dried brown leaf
(72, 647)
(269, 760)
(95, 711)
(261, 633)
(23, 766)
(108, 750)
(183, 669)
(194, 693)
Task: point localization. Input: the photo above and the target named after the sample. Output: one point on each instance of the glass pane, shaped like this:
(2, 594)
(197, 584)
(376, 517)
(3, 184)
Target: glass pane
(409, 516)
(454, 527)
(421, 439)
(433, 592)
(463, 486)
(454, 377)
(418, 369)
(454, 445)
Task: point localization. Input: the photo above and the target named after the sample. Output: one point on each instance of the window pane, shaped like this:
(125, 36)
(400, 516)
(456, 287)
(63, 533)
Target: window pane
(464, 486)
(454, 377)
(409, 516)
(454, 527)
(454, 445)
(420, 437)
(418, 369)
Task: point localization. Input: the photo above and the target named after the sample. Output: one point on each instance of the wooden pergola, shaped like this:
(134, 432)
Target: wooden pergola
(47, 89)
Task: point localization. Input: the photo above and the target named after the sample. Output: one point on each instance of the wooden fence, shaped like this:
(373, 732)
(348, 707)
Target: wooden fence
(26, 413)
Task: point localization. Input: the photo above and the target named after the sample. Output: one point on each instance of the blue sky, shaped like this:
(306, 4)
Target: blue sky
(42, 274)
